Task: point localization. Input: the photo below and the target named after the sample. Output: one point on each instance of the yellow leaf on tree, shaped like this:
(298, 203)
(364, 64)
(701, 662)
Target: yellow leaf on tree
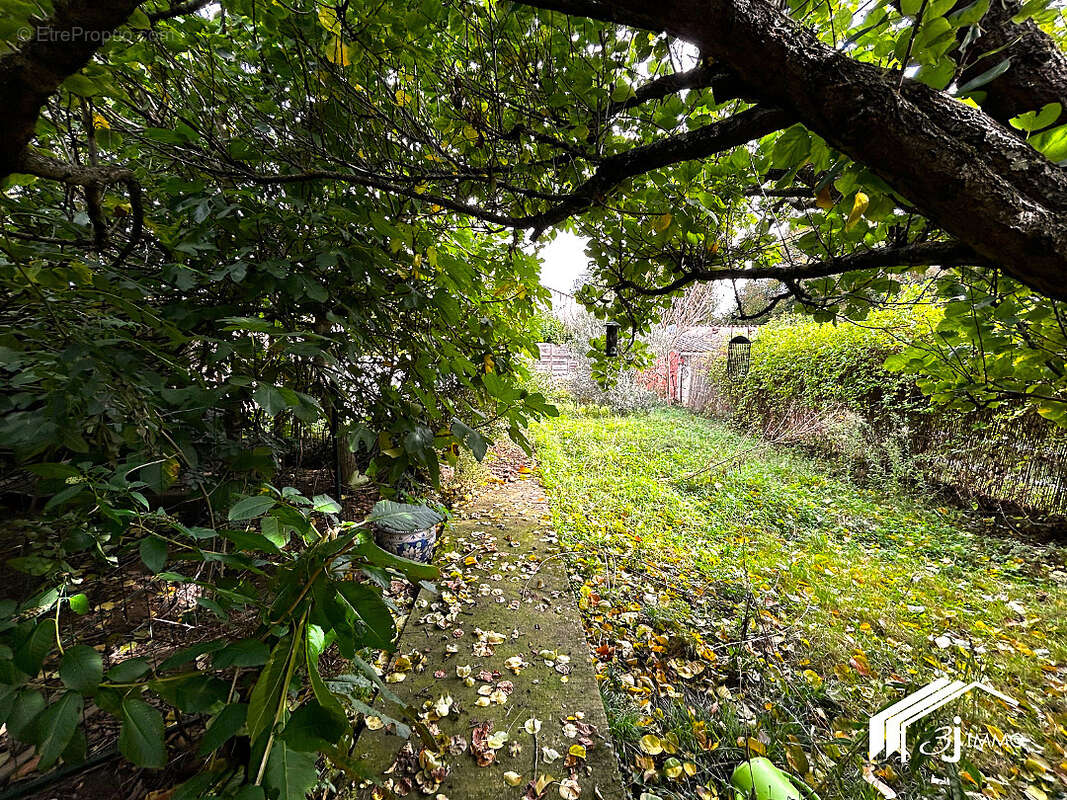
(328, 20)
(100, 122)
(859, 205)
(337, 52)
(824, 199)
(662, 222)
(487, 362)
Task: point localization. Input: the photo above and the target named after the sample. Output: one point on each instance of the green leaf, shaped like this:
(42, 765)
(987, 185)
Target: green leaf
(270, 399)
(153, 553)
(81, 86)
(251, 507)
(196, 694)
(246, 653)
(141, 739)
(23, 712)
(1036, 120)
(250, 541)
(470, 438)
(370, 608)
(82, 669)
(314, 727)
(791, 148)
(30, 656)
(381, 558)
(290, 774)
(224, 727)
(270, 688)
(55, 726)
(31, 565)
(989, 75)
(324, 504)
(79, 604)
(273, 532)
(129, 670)
(403, 517)
(1052, 143)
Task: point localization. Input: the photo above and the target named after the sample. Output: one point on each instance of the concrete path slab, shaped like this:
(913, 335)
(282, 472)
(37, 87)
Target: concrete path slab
(499, 651)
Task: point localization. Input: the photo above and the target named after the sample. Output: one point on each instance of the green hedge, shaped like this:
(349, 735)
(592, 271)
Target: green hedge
(822, 366)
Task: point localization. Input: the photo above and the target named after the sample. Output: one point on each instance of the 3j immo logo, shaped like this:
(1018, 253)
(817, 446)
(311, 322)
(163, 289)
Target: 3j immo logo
(889, 728)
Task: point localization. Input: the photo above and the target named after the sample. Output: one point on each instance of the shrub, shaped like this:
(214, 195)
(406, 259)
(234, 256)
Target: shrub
(825, 386)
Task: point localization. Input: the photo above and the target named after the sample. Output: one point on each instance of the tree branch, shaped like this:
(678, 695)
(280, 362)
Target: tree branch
(945, 254)
(59, 47)
(720, 80)
(701, 143)
(93, 179)
(954, 163)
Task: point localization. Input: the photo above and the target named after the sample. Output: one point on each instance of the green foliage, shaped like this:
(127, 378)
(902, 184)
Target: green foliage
(830, 366)
(548, 328)
(307, 586)
(998, 345)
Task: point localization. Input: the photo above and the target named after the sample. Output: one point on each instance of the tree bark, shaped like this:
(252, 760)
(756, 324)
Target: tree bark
(1038, 73)
(57, 48)
(956, 164)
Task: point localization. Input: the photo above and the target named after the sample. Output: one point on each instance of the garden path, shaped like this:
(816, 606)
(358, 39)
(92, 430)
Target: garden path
(500, 650)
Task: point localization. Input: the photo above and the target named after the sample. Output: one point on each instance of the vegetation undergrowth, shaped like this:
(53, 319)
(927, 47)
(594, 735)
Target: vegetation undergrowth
(770, 606)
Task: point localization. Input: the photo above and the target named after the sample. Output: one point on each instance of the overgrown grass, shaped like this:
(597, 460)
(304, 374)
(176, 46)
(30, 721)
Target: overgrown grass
(771, 605)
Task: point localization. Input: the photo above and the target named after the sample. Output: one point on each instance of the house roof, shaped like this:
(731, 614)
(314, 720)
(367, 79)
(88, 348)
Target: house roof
(704, 338)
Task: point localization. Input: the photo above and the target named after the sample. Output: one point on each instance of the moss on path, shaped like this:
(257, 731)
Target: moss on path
(501, 645)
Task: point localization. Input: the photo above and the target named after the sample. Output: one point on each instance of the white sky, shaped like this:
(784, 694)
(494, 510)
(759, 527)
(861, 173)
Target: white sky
(562, 261)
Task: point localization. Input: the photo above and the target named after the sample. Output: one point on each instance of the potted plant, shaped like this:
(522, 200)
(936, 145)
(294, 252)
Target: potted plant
(405, 529)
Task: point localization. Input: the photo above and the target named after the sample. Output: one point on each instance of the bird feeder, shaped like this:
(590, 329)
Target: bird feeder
(611, 340)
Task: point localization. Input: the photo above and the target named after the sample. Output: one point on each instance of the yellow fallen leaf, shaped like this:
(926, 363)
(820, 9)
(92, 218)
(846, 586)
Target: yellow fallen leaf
(651, 744)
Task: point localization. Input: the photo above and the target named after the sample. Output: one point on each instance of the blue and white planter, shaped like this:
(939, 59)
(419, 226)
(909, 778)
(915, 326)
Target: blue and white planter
(414, 545)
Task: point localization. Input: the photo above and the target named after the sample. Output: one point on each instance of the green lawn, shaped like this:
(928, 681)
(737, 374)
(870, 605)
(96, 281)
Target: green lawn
(771, 604)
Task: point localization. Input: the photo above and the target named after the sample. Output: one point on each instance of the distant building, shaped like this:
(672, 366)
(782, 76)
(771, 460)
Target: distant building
(681, 375)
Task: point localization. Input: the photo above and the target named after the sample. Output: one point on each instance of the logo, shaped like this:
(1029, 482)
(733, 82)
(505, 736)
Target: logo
(889, 728)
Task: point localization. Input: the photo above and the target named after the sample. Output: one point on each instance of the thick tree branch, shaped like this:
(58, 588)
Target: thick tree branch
(1038, 73)
(611, 171)
(700, 143)
(944, 254)
(93, 179)
(58, 47)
